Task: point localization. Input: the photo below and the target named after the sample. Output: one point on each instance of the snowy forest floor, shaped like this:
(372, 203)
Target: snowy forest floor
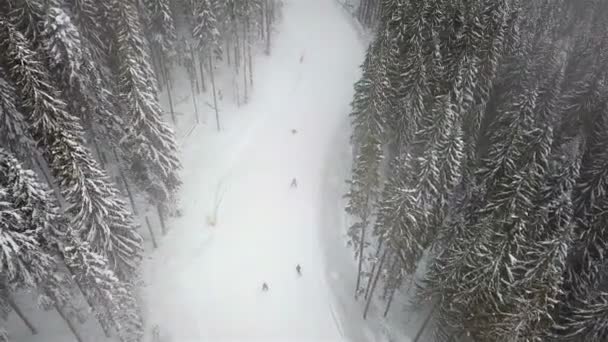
(204, 281)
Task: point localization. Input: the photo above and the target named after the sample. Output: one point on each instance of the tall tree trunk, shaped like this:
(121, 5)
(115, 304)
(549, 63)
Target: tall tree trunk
(161, 218)
(169, 96)
(125, 183)
(106, 329)
(68, 323)
(92, 306)
(269, 10)
(249, 57)
(245, 90)
(93, 137)
(40, 162)
(237, 52)
(390, 301)
(371, 295)
(201, 66)
(19, 313)
(426, 322)
(374, 265)
(158, 70)
(391, 271)
(263, 19)
(194, 73)
(211, 75)
(227, 48)
(194, 100)
(154, 244)
(361, 247)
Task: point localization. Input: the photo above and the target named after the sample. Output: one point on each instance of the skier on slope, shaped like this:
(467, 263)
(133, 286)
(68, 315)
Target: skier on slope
(299, 269)
(264, 287)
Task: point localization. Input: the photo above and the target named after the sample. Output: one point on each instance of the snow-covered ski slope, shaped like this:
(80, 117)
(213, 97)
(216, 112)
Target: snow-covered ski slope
(204, 282)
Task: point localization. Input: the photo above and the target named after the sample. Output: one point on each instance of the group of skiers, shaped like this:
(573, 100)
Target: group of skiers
(294, 184)
(298, 270)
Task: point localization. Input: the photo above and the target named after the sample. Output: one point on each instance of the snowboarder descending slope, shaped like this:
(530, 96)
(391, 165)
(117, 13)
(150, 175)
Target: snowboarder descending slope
(264, 287)
(294, 183)
(299, 269)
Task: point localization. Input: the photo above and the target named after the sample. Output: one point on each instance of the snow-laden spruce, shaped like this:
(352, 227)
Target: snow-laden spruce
(93, 204)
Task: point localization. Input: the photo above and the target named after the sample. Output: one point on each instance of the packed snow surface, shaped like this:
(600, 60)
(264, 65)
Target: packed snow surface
(204, 282)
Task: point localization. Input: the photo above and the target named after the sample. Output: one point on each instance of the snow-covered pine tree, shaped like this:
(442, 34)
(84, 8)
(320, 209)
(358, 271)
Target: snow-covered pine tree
(585, 314)
(367, 107)
(111, 299)
(90, 271)
(98, 105)
(94, 207)
(13, 127)
(208, 42)
(162, 29)
(69, 57)
(206, 32)
(161, 34)
(28, 261)
(149, 145)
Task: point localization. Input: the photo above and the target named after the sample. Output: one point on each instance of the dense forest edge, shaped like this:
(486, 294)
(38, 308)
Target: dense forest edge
(481, 159)
(86, 145)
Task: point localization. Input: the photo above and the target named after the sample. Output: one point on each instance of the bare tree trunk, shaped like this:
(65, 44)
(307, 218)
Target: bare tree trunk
(125, 183)
(157, 68)
(169, 96)
(165, 69)
(391, 271)
(245, 94)
(194, 73)
(237, 92)
(69, 323)
(194, 99)
(361, 247)
(426, 322)
(249, 57)
(85, 295)
(390, 301)
(128, 190)
(371, 295)
(217, 115)
(40, 162)
(102, 323)
(263, 19)
(228, 52)
(269, 10)
(93, 137)
(154, 244)
(237, 52)
(19, 313)
(201, 66)
(171, 108)
(161, 217)
(369, 279)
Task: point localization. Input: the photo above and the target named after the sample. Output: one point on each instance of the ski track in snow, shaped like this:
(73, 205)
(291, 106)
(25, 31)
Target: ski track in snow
(204, 283)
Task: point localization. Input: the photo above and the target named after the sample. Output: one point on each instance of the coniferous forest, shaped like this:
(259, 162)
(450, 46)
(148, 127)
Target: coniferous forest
(480, 139)
(83, 136)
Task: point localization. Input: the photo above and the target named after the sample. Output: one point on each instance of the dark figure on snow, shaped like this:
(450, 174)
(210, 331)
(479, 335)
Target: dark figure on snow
(301, 58)
(294, 131)
(294, 183)
(264, 287)
(299, 269)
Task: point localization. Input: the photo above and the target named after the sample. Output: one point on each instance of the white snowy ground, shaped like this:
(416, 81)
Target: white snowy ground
(204, 282)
